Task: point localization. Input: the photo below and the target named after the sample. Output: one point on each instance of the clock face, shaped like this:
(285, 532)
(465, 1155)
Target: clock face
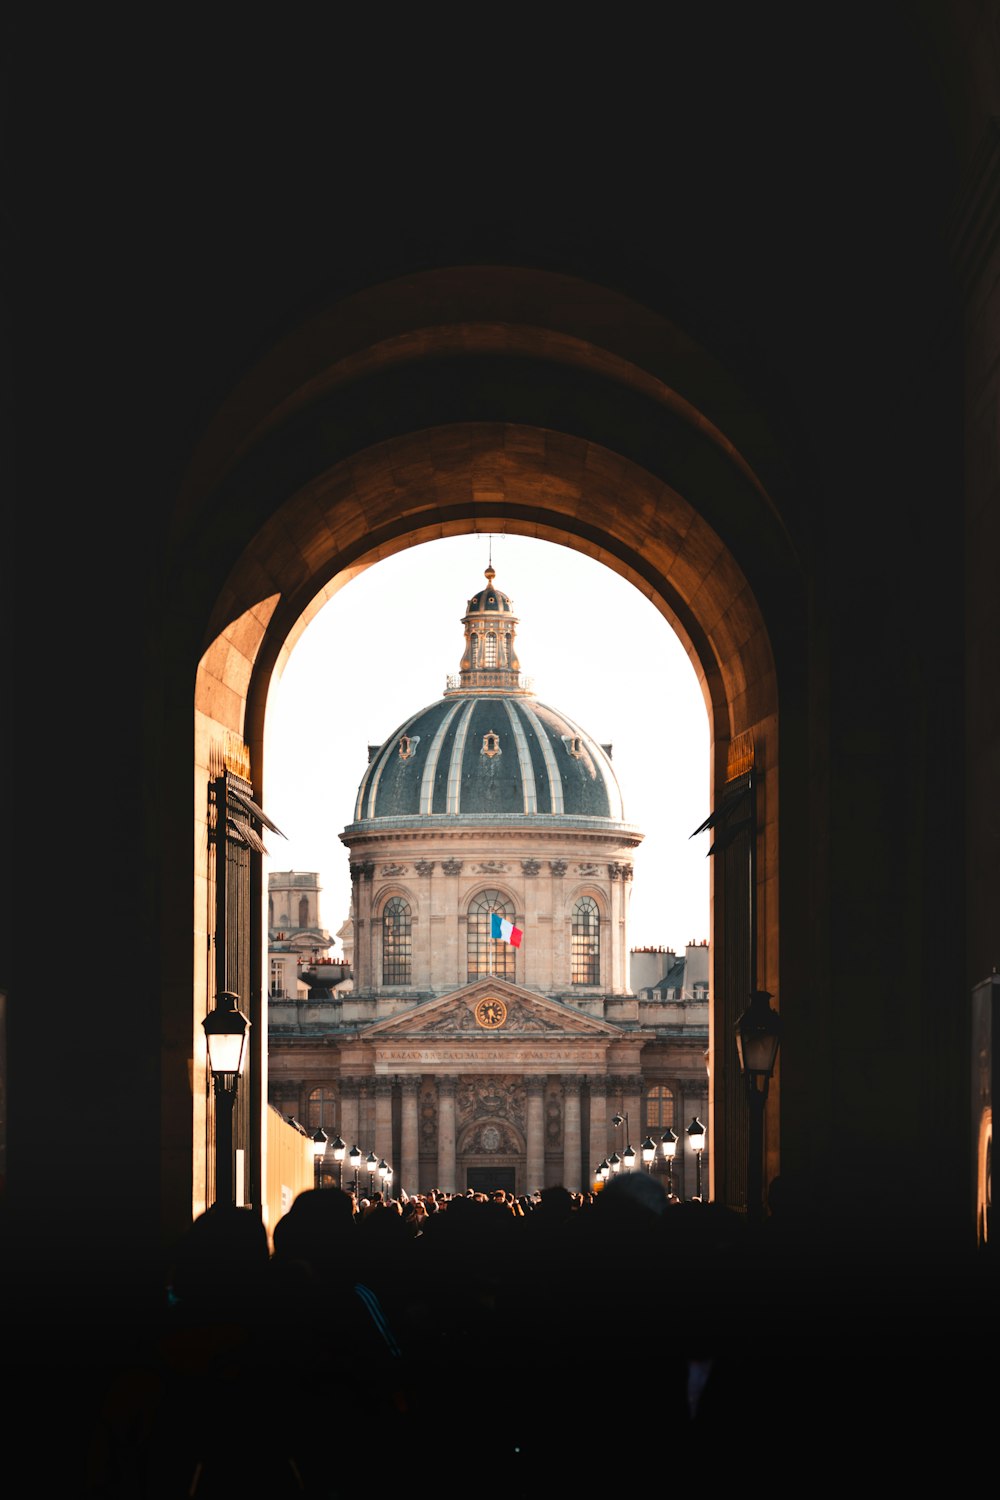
(491, 1013)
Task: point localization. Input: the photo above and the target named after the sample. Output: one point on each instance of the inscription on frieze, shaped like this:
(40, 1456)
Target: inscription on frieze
(586, 1056)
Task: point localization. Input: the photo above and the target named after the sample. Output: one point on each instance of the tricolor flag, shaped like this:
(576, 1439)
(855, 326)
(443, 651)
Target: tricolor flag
(501, 928)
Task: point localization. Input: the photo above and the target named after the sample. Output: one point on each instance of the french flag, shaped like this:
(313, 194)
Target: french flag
(500, 928)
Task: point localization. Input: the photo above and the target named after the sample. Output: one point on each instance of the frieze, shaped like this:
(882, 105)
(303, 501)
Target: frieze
(491, 867)
(393, 869)
(586, 869)
(469, 1055)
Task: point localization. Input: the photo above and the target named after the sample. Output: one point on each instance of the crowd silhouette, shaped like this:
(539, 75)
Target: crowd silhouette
(522, 1332)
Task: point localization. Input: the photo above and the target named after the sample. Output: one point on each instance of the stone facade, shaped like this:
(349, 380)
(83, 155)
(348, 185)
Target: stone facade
(459, 1059)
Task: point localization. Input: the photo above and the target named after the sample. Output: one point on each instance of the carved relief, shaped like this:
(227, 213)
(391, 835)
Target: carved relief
(490, 1140)
(586, 869)
(393, 869)
(424, 866)
(428, 1117)
(363, 870)
(452, 1020)
(557, 866)
(451, 866)
(553, 1119)
(492, 1098)
(491, 867)
(520, 1017)
(530, 867)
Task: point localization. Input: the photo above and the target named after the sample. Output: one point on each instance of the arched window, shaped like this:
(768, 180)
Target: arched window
(397, 942)
(487, 955)
(303, 911)
(586, 934)
(659, 1109)
(491, 650)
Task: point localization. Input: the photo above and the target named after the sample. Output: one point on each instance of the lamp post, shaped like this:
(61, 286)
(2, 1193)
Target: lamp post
(696, 1135)
(319, 1144)
(648, 1149)
(603, 1169)
(615, 1163)
(354, 1157)
(372, 1165)
(668, 1144)
(338, 1148)
(758, 1036)
(383, 1172)
(226, 1030)
(628, 1155)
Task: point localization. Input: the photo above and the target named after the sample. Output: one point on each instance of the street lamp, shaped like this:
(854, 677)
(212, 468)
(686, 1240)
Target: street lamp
(603, 1169)
(628, 1155)
(383, 1171)
(372, 1165)
(338, 1148)
(354, 1157)
(648, 1149)
(319, 1144)
(696, 1135)
(614, 1162)
(668, 1142)
(758, 1036)
(226, 1030)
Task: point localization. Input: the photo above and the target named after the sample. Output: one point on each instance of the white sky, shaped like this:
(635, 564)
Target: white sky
(381, 650)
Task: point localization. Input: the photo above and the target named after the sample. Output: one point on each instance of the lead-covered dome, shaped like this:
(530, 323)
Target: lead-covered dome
(488, 750)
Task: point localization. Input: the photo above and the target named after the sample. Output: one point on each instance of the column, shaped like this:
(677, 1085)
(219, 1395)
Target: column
(349, 1112)
(535, 1165)
(366, 1125)
(598, 1123)
(633, 1105)
(572, 1143)
(446, 1134)
(383, 1121)
(409, 1165)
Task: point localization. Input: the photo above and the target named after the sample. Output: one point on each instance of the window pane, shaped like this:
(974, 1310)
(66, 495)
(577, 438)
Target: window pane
(486, 955)
(396, 942)
(586, 933)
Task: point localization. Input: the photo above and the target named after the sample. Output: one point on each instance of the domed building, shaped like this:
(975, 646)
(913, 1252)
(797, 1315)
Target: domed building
(489, 1036)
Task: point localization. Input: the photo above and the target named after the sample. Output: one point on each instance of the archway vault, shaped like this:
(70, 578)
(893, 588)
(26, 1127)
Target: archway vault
(557, 421)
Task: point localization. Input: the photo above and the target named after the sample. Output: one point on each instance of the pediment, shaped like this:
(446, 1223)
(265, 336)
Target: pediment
(525, 1013)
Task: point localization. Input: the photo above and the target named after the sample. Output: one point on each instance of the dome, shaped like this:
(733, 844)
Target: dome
(487, 750)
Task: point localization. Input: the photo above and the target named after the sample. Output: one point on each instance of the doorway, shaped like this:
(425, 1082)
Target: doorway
(489, 1179)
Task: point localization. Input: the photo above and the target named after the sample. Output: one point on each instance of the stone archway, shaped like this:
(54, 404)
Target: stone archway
(491, 1149)
(682, 519)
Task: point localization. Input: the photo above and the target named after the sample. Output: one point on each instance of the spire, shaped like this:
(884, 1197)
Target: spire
(489, 661)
